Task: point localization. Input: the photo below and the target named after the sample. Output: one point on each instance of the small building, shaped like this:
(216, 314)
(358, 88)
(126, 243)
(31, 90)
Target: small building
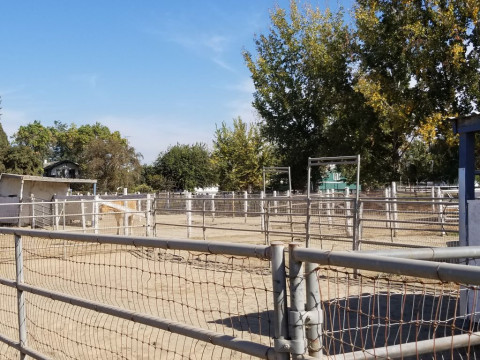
(19, 189)
(335, 180)
(64, 169)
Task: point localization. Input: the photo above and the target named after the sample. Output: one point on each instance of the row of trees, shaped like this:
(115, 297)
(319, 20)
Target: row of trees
(102, 154)
(380, 85)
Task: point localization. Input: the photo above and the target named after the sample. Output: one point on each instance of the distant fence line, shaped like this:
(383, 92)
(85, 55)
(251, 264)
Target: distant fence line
(134, 297)
(329, 220)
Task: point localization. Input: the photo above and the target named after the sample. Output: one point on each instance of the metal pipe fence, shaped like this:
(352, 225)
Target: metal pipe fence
(113, 296)
(323, 221)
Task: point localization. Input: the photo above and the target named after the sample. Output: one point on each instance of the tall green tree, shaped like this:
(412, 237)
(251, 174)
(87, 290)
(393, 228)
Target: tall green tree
(37, 137)
(112, 162)
(323, 88)
(239, 154)
(184, 166)
(22, 160)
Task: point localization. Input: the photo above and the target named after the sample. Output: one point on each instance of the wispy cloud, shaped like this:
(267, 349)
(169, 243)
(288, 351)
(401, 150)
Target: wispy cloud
(153, 134)
(12, 119)
(89, 80)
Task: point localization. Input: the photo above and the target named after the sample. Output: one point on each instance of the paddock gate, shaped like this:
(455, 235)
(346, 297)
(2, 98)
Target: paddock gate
(72, 295)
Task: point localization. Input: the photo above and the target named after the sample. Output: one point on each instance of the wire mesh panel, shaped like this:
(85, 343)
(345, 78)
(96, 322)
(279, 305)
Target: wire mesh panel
(408, 223)
(365, 313)
(226, 294)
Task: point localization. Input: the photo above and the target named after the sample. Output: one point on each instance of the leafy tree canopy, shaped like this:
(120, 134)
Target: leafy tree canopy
(239, 155)
(184, 166)
(324, 88)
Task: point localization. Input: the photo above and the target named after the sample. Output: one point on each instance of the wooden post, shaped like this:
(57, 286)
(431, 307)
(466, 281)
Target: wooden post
(394, 209)
(275, 204)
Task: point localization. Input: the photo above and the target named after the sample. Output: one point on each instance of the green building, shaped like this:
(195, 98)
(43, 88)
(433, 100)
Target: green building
(334, 180)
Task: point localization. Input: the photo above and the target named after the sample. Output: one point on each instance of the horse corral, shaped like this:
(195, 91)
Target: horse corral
(185, 302)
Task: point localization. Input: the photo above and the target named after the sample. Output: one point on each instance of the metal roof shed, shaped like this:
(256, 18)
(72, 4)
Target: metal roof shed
(15, 188)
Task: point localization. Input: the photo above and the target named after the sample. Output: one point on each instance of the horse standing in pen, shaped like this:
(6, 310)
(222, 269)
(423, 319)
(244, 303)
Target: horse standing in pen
(122, 210)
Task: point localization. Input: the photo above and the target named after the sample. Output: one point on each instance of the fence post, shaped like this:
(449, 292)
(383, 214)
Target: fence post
(148, 216)
(213, 207)
(387, 206)
(329, 194)
(279, 284)
(275, 204)
(348, 213)
(96, 200)
(56, 215)
(394, 208)
(297, 315)
(203, 220)
(290, 212)
(262, 211)
(307, 225)
(125, 217)
(245, 205)
(189, 213)
(233, 204)
(22, 320)
(314, 312)
(32, 212)
(267, 223)
(82, 211)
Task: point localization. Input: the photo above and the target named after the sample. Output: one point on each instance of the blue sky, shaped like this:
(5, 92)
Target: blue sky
(160, 72)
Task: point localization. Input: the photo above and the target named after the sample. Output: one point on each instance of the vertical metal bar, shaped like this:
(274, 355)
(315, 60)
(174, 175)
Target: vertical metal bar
(82, 215)
(357, 190)
(394, 208)
(290, 210)
(148, 217)
(348, 213)
(32, 213)
(263, 173)
(57, 216)
(203, 220)
(307, 225)
(275, 203)
(245, 205)
(64, 213)
(262, 212)
(213, 207)
(297, 298)
(314, 308)
(387, 206)
(22, 320)
(125, 217)
(95, 213)
(267, 224)
(189, 214)
(355, 225)
(279, 284)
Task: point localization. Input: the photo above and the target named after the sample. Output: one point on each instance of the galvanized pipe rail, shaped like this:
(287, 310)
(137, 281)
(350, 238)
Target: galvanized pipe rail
(410, 267)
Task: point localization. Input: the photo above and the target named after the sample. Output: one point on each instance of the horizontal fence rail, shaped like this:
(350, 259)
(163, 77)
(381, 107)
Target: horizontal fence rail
(75, 295)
